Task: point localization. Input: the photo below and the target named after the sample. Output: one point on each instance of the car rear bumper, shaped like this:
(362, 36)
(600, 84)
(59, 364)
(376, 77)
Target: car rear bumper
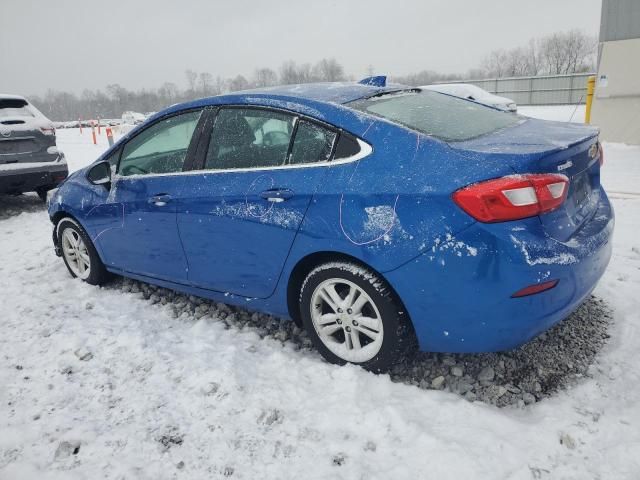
(31, 176)
(458, 294)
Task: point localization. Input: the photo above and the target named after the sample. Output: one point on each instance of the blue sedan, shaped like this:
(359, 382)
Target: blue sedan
(376, 216)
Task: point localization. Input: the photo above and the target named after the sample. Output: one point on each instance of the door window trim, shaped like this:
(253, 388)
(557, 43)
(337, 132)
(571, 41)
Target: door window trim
(205, 137)
(191, 149)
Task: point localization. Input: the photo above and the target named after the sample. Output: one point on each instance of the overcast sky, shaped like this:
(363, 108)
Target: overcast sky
(71, 45)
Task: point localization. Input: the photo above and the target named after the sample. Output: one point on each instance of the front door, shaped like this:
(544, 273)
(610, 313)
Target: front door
(141, 234)
(238, 218)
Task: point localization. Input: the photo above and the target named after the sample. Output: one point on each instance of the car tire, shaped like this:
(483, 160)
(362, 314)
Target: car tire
(42, 194)
(79, 254)
(365, 324)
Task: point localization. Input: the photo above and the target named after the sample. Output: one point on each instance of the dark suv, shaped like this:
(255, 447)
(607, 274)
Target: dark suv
(29, 158)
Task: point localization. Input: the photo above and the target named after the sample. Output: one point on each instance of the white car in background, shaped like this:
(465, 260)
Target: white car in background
(133, 118)
(472, 92)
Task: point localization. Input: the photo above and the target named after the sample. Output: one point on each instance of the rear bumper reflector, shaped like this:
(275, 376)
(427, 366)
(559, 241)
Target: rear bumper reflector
(533, 289)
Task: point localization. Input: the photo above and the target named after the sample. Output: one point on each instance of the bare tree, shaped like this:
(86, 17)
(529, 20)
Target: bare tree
(568, 52)
(264, 77)
(291, 72)
(328, 70)
(192, 78)
(206, 83)
(169, 92)
(558, 53)
(238, 83)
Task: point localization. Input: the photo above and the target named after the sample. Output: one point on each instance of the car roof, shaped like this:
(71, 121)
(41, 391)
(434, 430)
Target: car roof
(333, 92)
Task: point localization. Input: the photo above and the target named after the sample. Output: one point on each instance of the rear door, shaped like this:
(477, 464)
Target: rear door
(239, 216)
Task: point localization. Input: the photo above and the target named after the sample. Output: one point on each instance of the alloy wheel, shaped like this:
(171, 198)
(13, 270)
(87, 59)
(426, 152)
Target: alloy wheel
(346, 320)
(76, 254)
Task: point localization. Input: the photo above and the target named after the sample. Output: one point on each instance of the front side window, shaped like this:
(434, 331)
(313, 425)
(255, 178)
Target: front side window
(161, 148)
(249, 138)
(444, 117)
(312, 144)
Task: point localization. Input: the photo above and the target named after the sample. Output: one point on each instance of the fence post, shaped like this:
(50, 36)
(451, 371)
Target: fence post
(591, 84)
(530, 90)
(109, 136)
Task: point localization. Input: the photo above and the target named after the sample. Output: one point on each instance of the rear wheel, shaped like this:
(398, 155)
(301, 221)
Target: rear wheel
(79, 254)
(352, 316)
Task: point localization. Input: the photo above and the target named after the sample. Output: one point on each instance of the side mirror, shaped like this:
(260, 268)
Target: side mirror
(100, 174)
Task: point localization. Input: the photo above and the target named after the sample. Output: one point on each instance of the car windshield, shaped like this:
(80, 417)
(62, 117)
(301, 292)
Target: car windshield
(10, 107)
(438, 115)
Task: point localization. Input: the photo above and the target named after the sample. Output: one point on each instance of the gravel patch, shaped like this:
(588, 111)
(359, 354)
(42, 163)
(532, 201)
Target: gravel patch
(549, 363)
(12, 205)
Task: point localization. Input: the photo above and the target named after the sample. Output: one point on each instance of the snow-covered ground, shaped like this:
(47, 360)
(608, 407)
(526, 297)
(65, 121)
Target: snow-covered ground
(559, 113)
(138, 394)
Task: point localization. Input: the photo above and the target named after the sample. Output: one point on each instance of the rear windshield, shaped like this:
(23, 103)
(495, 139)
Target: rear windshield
(10, 107)
(448, 118)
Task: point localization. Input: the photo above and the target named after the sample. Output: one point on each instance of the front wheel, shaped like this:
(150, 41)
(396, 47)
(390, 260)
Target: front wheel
(79, 254)
(352, 316)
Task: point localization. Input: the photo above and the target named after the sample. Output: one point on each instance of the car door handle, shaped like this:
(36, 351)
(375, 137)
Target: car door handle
(160, 200)
(277, 194)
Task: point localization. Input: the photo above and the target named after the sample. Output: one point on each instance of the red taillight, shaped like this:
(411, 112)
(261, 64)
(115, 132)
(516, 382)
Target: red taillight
(600, 154)
(537, 288)
(513, 197)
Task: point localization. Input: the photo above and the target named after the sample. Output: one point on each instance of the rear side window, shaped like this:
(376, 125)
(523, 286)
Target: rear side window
(444, 117)
(10, 107)
(312, 144)
(249, 138)
(160, 148)
(347, 146)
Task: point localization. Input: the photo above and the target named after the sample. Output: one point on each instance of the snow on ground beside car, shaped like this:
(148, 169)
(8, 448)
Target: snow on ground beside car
(97, 383)
(559, 113)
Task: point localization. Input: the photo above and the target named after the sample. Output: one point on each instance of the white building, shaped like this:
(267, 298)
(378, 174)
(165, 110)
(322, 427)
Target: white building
(616, 104)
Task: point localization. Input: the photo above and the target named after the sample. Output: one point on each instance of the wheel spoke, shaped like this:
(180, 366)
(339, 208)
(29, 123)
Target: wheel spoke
(331, 297)
(84, 257)
(327, 318)
(372, 335)
(331, 329)
(348, 300)
(81, 266)
(355, 339)
(360, 302)
(370, 323)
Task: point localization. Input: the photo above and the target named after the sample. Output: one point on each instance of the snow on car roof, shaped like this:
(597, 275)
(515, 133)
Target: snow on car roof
(8, 96)
(334, 92)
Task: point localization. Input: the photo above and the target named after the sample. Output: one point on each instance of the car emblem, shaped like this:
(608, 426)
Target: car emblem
(5, 132)
(593, 150)
(565, 165)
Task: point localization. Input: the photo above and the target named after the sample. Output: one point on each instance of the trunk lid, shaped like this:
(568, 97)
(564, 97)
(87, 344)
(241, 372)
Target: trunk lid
(539, 146)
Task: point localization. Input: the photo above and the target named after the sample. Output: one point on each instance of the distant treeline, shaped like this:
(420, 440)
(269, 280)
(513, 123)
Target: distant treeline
(564, 52)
